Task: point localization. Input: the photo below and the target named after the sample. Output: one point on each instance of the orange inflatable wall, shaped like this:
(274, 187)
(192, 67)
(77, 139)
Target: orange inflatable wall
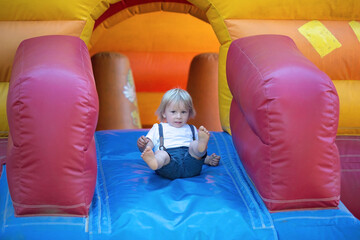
(116, 91)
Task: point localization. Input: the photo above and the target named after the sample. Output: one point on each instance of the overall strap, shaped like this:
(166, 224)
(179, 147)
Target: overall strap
(161, 134)
(193, 131)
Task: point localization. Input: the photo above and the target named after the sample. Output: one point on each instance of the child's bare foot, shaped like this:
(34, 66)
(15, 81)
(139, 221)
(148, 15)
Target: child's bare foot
(212, 160)
(204, 136)
(149, 157)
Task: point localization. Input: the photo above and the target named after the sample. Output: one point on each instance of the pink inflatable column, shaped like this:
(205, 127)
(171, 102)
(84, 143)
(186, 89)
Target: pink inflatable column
(52, 109)
(284, 118)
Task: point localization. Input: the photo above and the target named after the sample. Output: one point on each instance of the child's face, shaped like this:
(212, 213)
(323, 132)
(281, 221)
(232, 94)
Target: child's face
(176, 114)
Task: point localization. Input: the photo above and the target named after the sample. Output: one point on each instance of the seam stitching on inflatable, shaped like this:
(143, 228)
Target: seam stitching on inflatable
(48, 223)
(260, 207)
(307, 217)
(105, 190)
(222, 23)
(246, 185)
(347, 139)
(335, 153)
(87, 122)
(262, 77)
(20, 173)
(238, 190)
(301, 200)
(99, 207)
(5, 210)
(350, 170)
(97, 188)
(48, 206)
(267, 116)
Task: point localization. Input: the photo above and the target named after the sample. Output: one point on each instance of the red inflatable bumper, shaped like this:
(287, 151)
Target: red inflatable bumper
(283, 119)
(52, 109)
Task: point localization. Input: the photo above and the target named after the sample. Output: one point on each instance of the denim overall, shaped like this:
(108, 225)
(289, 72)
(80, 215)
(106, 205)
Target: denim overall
(182, 164)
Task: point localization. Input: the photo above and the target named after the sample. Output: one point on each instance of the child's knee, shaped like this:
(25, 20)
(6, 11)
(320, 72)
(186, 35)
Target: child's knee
(162, 156)
(196, 154)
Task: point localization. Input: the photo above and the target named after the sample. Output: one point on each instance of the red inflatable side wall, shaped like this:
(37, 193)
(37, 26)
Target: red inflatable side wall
(349, 149)
(283, 119)
(52, 109)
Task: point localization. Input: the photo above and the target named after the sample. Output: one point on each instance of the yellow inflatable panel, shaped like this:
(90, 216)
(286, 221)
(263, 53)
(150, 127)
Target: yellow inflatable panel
(225, 96)
(17, 31)
(56, 10)
(46, 10)
(349, 95)
(4, 127)
(280, 9)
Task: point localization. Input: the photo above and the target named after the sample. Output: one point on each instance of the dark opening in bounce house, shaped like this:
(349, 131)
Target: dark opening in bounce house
(275, 82)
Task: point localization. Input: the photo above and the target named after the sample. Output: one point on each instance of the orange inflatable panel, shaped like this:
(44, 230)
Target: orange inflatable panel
(116, 89)
(148, 103)
(203, 87)
(160, 71)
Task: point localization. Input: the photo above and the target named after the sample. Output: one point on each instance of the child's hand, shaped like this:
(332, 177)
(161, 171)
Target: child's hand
(142, 142)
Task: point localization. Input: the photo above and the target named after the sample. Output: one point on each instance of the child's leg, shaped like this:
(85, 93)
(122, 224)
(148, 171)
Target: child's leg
(197, 148)
(157, 160)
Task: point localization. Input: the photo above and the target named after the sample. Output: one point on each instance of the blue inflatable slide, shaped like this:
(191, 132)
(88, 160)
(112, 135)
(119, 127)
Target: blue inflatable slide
(132, 202)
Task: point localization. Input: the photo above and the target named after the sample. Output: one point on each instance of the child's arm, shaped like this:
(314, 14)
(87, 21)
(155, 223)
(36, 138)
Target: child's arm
(142, 142)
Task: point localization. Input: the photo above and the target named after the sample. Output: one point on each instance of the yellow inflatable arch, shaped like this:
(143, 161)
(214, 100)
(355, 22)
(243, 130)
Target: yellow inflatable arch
(326, 32)
(160, 39)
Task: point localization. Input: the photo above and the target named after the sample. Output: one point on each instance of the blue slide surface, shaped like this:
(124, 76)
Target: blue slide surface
(132, 202)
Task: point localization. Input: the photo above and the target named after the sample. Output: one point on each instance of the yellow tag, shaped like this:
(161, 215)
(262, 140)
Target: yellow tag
(4, 127)
(323, 41)
(356, 28)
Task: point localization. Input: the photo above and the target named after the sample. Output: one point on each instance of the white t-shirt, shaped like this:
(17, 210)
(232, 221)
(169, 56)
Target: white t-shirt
(173, 137)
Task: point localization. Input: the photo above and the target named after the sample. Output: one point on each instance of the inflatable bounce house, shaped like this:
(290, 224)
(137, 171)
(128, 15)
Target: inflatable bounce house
(276, 81)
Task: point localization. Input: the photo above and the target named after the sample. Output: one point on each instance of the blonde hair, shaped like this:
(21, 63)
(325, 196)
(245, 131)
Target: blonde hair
(176, 95)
